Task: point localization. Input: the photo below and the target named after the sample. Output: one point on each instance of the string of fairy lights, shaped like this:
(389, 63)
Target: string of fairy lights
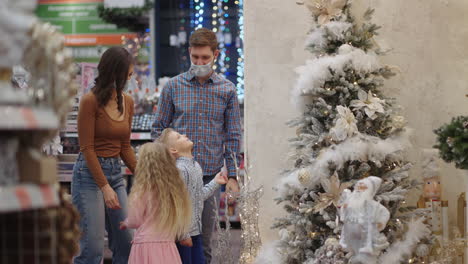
(240, 49)
(219, 28)
(199, 6)
(217, 13)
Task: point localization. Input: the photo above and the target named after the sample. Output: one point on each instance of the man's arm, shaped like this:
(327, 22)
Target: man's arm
(164, 112)
(232, 127)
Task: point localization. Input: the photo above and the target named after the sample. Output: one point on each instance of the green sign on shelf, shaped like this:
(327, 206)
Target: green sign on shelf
(85, 32)
(76, 18)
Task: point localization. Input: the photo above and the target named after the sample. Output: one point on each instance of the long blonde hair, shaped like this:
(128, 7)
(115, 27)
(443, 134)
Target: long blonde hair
(157, 177)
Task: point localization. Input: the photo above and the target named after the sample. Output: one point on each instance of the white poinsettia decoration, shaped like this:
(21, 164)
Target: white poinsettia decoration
(345, 125)
(372, 105)
(333, 191)
(325, 10)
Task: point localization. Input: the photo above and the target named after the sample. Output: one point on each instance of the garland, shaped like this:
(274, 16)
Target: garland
(134, 19)
(452, 142)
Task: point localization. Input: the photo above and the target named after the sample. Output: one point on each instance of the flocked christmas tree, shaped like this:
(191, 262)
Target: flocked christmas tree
(345, 195)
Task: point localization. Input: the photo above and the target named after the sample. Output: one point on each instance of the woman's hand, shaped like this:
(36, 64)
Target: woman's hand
(110, 197)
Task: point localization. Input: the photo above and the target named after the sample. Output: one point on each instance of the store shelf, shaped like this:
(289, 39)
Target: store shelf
(65, 177)
(67, 157)
(22, 118)
(133, 136)
(70, 134)
(65, 167)
(27, 196)
(140, 136)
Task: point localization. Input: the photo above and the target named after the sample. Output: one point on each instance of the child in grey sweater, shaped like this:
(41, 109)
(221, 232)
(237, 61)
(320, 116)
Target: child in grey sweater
(190, 247)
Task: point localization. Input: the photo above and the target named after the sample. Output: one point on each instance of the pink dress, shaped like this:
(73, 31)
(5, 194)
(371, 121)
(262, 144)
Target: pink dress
(149, 246)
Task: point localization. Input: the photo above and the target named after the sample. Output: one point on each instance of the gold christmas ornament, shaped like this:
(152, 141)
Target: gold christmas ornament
(313, 234)
(303, 176)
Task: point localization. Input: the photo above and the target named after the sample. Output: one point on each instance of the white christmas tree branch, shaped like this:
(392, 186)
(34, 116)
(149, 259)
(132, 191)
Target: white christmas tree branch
(360, 147)
(402, 249)
(397, 194)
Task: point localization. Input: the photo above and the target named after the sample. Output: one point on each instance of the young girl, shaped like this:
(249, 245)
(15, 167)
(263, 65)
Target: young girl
(159, 207)
(190, 246)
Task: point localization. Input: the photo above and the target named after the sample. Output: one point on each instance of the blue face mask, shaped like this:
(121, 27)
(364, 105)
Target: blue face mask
(201, 70)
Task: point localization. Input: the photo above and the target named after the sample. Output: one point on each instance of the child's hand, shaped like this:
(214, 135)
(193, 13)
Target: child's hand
(122, 226)
(221, 178)
(186, 242)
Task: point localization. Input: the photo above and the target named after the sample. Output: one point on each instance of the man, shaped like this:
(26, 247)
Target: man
(203, 105)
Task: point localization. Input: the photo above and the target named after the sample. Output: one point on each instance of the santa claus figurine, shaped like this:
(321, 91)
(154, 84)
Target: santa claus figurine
(363, 220)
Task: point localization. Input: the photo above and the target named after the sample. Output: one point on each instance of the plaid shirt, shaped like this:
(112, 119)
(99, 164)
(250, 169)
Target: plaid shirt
(208, 114)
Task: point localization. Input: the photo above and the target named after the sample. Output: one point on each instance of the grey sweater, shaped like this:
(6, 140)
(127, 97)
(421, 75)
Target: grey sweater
(192, 175)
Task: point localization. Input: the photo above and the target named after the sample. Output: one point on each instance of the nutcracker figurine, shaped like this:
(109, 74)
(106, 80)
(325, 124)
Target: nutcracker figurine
(431, 196)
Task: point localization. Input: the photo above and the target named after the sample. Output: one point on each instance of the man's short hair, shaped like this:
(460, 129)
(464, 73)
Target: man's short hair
(204, 37)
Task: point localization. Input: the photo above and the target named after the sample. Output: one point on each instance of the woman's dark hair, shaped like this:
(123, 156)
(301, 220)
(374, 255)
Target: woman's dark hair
(113, 70)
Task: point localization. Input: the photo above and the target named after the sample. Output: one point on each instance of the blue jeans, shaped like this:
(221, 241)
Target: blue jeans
(194, 254)
(95, 216)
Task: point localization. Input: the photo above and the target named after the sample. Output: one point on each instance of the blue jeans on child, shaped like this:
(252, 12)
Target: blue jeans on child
(194, 254)
(95, 217)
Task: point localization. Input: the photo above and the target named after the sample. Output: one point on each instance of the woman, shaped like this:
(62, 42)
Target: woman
(98, 187)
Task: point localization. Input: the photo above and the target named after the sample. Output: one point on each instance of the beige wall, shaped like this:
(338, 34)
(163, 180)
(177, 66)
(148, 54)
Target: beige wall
(428, 39)
(274, 37)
